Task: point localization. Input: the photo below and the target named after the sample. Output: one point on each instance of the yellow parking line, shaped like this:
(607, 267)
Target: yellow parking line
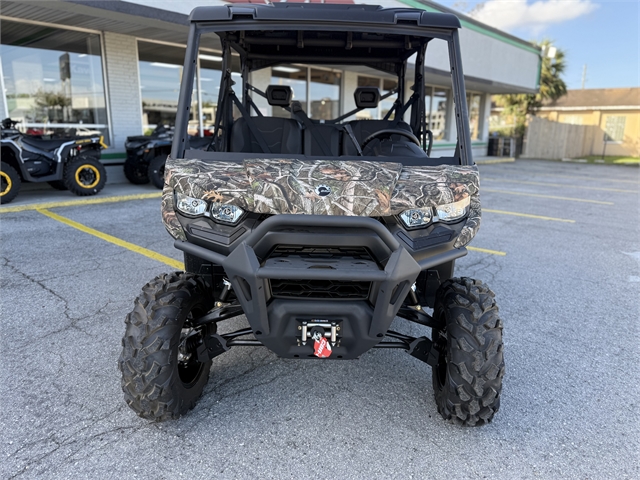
(562, 185)
(116, 241)
(486, 250)
(538, 195)
(84, 201)
(584, 177)
(528, 215)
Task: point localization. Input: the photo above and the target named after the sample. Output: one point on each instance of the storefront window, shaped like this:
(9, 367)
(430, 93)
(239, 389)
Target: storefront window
(53, 80)
(210, 73)
(160, 73)
(324, 93)
(385, 105)
(437, 121)
(294, 76)
(473, 104)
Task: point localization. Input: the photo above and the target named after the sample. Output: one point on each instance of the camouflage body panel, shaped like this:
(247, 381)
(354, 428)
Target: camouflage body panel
(420, 187)
(224, 182)
(276, 186)
(169, 218)
(472, 224)
(292, 186)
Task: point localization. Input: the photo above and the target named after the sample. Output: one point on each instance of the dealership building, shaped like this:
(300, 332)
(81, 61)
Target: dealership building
(77, 66)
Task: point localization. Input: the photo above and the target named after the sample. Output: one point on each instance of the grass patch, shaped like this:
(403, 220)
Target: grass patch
(616, 160)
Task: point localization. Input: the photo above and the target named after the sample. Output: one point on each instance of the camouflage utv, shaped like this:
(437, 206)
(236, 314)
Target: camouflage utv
(320, 230)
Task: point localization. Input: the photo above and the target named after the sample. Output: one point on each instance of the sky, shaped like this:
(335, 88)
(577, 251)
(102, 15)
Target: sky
(603, 34)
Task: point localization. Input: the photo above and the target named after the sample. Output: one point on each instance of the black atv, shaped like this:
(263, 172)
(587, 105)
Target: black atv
(320, 231)
(146, 155)
(70, 163)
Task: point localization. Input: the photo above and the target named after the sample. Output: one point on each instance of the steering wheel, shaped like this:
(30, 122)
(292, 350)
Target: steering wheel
(387, 133)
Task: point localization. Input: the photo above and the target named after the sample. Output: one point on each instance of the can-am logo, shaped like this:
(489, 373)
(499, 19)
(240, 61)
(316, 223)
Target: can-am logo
(323, 190)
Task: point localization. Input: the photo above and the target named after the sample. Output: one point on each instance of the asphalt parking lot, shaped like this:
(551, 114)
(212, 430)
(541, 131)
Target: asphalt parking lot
(559, 244)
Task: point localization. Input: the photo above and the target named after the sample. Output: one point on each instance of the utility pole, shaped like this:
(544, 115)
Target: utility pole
(584, 75)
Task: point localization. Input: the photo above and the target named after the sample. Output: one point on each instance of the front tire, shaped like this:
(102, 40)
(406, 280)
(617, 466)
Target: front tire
(135, 172)
(85, 176)
(467, 381)
(156, 171)
(158, 380)
(9, 183)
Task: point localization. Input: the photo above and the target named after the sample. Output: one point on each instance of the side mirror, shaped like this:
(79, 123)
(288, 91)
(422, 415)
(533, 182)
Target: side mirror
(279, 95)
(367, 97)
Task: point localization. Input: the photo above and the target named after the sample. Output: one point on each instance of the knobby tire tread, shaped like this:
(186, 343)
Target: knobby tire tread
(470, 392)
(156, 171)
(135, 172)
(16, 183)
(150, 378)
(70, 180)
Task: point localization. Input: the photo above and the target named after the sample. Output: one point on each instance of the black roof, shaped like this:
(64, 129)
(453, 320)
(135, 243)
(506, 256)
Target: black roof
(330, 13)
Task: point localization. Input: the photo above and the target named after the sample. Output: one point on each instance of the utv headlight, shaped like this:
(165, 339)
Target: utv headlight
(417, 217)
(450, 212)
(226, 213)
(190, 205)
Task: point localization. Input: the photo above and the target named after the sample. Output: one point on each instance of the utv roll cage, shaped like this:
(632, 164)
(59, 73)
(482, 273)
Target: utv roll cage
(265, 36)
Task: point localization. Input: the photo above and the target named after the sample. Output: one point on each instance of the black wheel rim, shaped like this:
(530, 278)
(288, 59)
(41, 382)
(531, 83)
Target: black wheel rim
(439, 339)
(87, 176)
(5, 183)
(190, 370)
(441, 345)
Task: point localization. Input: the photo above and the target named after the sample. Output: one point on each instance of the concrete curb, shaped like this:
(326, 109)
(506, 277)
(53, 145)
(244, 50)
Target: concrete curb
(494, 160)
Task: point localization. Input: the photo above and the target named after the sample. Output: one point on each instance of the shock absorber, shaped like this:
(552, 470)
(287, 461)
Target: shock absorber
(188, 347)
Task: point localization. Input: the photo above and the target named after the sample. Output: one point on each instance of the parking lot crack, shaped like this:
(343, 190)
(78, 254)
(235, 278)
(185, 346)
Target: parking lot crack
(29, 278)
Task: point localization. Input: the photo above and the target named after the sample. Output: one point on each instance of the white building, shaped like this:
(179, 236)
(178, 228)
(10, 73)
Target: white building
(115, 66)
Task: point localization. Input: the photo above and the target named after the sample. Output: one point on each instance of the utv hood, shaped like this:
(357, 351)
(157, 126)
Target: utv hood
(322, 187)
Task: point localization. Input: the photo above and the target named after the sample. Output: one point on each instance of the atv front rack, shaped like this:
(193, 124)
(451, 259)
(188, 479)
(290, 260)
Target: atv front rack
(277, 322)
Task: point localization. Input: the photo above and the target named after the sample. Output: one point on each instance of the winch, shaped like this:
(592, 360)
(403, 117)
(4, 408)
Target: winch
(325, 328)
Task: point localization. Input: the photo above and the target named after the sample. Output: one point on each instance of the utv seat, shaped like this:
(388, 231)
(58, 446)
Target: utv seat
(320, 139)
(279, 135)
(48, 145)
(282, 135)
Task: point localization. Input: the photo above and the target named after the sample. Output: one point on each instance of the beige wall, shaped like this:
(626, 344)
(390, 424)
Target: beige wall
(630, 145)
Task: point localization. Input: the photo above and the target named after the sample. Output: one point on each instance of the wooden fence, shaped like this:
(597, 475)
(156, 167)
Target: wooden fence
(553, 140)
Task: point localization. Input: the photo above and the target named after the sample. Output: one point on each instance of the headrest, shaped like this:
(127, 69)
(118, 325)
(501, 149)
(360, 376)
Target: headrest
(279, 95)
(367, 97)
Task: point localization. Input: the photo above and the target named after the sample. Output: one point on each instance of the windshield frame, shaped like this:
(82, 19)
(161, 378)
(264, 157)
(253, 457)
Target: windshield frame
(450, 35)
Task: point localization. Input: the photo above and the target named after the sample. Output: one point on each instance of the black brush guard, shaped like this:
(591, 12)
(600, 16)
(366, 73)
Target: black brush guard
(277, 322)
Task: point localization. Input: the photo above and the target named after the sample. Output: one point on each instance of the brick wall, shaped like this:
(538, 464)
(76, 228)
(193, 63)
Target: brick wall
(123, 80)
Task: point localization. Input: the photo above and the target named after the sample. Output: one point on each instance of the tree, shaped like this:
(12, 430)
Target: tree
(50, 99)
(551, 87)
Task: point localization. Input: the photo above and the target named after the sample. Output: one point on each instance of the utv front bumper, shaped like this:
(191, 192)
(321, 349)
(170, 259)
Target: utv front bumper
(346, 275)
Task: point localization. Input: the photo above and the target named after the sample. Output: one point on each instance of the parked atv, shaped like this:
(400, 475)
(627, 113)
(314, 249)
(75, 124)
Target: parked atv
(142, 150)
(320, 232)
(146, 155)
(71, 163)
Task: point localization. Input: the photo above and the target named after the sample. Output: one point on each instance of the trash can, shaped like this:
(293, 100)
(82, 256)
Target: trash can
(502, 147)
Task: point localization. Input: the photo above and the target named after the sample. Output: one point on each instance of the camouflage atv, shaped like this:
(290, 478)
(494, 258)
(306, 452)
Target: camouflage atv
(321, 231)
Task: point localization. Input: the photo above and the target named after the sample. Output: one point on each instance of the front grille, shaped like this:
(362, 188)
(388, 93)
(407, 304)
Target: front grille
(333, 289)
(355, 253)
(322, 257)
